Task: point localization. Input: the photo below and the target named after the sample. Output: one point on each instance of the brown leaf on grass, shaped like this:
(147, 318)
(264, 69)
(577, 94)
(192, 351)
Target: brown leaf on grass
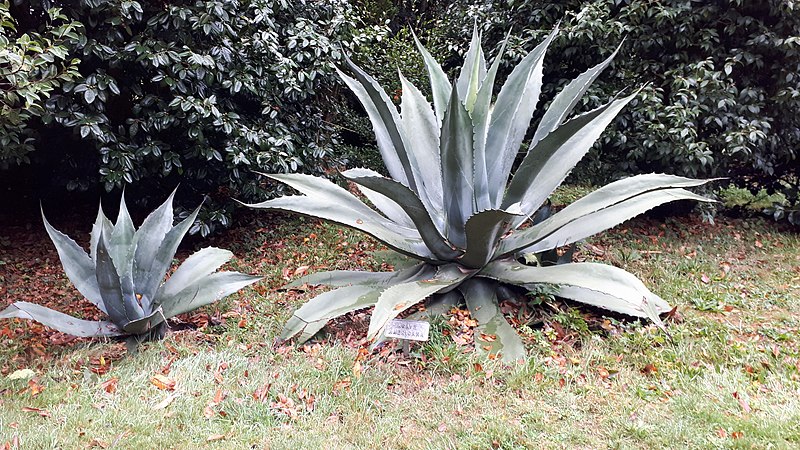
(39, 411)
(215, 437)
(110, 385)
(219, 396)
(357, 369)
(97, 443)
(737, 434)
(162, 382)
(343, 384)
(300, 271)
(34, 388)
(286, 406)
(208, 411)
(742, 402)
(649, 369)
(722, 433)
(260, 394)
(163, 404)
(705, 279)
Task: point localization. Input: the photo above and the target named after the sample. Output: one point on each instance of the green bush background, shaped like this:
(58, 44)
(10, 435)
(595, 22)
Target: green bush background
(149, 94)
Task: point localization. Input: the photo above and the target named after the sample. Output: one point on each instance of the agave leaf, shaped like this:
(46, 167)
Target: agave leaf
(384, 204)
(196, 267)
(100, 224)
(546, 166)
(472, 72)
(567, 98)
(163, 259)
(141, 326)
(121, 243)
(78, 266)
(484, 231)
(60, 321)
(339, 278)
(385, 122)
(495, 335)
(121, 307)
(421, 130)
(589, 218)
(440, 84)
(330, 202)
(595, 284)
(457, 169)
(512, 114)
(413, 206)
(398, 298)
(481, 114)
(148, 240)
(205, 291)
(312, 316)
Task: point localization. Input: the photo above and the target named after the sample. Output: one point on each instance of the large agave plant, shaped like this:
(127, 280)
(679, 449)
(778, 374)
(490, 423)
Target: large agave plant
(124, 272)
(451, 202)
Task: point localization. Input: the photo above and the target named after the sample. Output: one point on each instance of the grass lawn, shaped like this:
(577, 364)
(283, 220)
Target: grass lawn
(727, 376)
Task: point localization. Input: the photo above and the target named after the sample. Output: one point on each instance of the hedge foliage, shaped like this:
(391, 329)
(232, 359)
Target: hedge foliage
(191, 91)
(720, 81)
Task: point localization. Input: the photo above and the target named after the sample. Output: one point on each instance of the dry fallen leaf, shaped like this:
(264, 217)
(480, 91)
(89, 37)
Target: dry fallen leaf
(162, 382)
(41, 412)
(215, 437)
(110, 385)
(166, 402)
(742, 402)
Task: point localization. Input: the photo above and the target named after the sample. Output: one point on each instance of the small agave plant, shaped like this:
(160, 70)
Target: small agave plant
(452, 203)
(124, 272)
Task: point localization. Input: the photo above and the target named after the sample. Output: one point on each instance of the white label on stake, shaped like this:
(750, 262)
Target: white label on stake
(413, 330)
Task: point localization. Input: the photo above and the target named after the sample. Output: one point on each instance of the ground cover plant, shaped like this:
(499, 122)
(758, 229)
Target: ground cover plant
(451, 202)
(123, 276)
(727, 377)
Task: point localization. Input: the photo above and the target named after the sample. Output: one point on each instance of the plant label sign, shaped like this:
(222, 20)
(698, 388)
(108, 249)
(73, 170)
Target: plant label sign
(413, 330)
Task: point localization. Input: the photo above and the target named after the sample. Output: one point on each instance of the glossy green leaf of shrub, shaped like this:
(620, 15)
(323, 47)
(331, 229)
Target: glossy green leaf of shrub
(123, 276)
(452, 202)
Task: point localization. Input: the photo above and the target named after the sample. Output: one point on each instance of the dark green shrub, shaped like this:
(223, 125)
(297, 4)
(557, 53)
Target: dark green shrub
(201, 92)
(722, 80)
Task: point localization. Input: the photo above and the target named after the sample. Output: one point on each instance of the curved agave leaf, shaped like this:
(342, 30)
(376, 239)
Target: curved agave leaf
(328, 201)
(205, 291)
(567, 98)
(457, 169)
(163, 259)
(439, 304)
(481, 115)
(312, 316)
(596, 284)
(546, 165)
(413, 206)
(386, 123)
(384, 204)
(472, 72)
(495, 335)
(196, 267)
(421, 130)
(145, 324)
(78, 266)
(100, 224)
(339, 278)
(440, 84)
(148, 240)
(121, 243)
(484, 231)
(60, 321)
(121, 306)
(398, 298)
(511, 117)
(602, 209)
